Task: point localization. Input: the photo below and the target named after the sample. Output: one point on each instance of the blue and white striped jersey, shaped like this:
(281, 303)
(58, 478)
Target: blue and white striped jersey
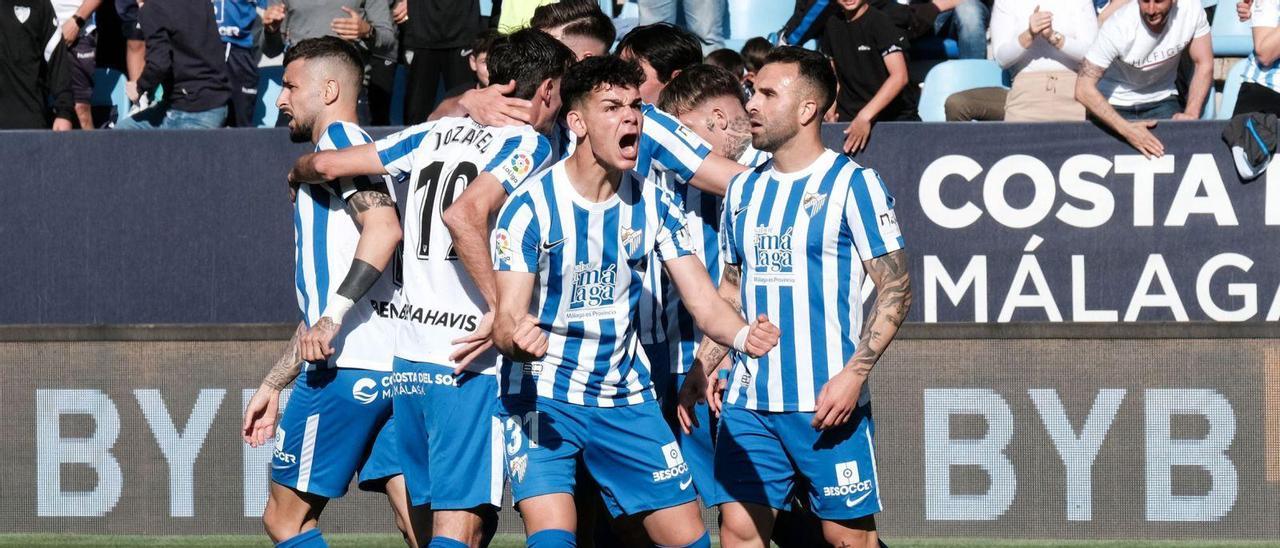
(672, 324)
(665, 145)
(325, 237)
(800, 239)
(590, 260)
(439, 301)
(1264, 14)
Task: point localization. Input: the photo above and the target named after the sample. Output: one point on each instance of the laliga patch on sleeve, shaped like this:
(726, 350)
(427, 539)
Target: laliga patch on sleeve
(889, 224)
(518, 166)
(502, 245)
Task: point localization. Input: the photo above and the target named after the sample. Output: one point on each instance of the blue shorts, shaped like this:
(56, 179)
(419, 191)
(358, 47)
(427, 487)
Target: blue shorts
(450, 440)
(336, 423)
(628, 450)
(699, 446)
(763, 458)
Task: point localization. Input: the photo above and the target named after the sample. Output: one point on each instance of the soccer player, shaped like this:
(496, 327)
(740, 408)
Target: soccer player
(445, 386)
(338, 420)
(708, 100)
(797, 236)
(578, 387)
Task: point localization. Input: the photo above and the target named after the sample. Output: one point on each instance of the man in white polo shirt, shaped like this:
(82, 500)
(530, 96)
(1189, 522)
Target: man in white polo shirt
(1127, 78)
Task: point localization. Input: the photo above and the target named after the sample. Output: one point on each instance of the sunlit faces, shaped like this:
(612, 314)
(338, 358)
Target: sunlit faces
(722, 122)
(1155, 12)
(652, 87)
(610, 119)
(780, 106)
(301, 99)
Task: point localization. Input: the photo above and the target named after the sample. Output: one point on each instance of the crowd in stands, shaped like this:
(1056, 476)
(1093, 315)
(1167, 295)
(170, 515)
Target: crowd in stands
(188, 64)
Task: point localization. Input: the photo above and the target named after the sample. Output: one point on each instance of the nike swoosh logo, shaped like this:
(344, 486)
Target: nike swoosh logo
(548, 246)
(685, 484)
(740, 210)
(851, 503)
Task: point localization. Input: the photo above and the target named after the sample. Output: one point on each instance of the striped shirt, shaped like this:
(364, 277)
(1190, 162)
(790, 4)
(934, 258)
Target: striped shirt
(674, 325)
(800, 239)
(325, 237)
(1265, 14)
(438, 299)
(590, 260)
(665, 145)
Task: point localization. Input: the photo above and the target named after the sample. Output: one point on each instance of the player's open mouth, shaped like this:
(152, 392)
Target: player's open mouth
(627, 144)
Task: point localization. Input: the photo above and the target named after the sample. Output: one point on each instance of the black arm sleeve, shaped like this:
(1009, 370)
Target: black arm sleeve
(360, 277)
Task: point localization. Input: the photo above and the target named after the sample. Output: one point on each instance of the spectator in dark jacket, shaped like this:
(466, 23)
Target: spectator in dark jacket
(185, 53)
(27, 76)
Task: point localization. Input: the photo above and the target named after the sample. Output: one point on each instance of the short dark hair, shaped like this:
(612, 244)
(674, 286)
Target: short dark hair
(483, 42)
(666, 47)
(727, 59)
(813, 67)
(529, 57)
(754, 53)
(579, 18)
(326, 47)
(696, 84)
(593, 72)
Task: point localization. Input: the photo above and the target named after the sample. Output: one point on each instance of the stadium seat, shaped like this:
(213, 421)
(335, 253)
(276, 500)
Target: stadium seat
(1231, 90)
(397, 95)
(751, 18)
(954, 76)
(1209, 104)
(933, 47)
(1231, 36)
(270, 82)
(108, 89)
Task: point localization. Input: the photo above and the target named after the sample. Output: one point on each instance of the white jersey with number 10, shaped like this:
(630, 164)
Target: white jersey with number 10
(438, 302)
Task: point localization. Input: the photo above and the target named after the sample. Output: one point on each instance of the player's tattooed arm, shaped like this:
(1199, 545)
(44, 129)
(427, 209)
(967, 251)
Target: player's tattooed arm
(893, 301)
(365, 200)
(288, 366)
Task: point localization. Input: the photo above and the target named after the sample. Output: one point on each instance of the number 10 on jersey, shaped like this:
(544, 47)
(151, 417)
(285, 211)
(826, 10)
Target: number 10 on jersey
(434, 200)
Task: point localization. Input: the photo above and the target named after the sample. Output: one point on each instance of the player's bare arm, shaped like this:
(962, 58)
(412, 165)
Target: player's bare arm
(263, 410)
(490, 106)
(516, 333)
(715, 316)
(710, 358)
(714, 174)
(375, 215)
(470, 221)
(327, 165)
(1138, 134)
(839, 396)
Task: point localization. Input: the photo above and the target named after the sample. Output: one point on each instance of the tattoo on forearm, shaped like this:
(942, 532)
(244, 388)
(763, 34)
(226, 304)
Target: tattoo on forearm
(287, 367)
(893, 301)
(710, 353)
(365, 200)
(732, 274)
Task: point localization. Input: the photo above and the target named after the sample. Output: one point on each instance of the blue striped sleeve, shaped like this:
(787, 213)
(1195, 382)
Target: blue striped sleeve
(344, 135)
(517, 237)
(869, 213)
(674, 239)
(670, 145)
(395, 150)
(520, 157)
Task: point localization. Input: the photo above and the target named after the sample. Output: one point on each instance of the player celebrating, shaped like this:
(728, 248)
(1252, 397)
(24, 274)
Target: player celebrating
(585, 233)
(338, 420)
(708, 100)
(445, 389)
(797, 235)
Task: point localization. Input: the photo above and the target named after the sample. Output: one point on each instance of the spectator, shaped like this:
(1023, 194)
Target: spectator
(867, 50)
(662, 50)
(753, 55)
(29, 75)
(135, 49)
(435, 35)
(1128, 75)
(729, 60)
(704, 18)
(1261, 89)
(185, 52)
(964, 20)
(578, 24)
(79, 30)
(478, 60)
(1042, 49)
(237, 23)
